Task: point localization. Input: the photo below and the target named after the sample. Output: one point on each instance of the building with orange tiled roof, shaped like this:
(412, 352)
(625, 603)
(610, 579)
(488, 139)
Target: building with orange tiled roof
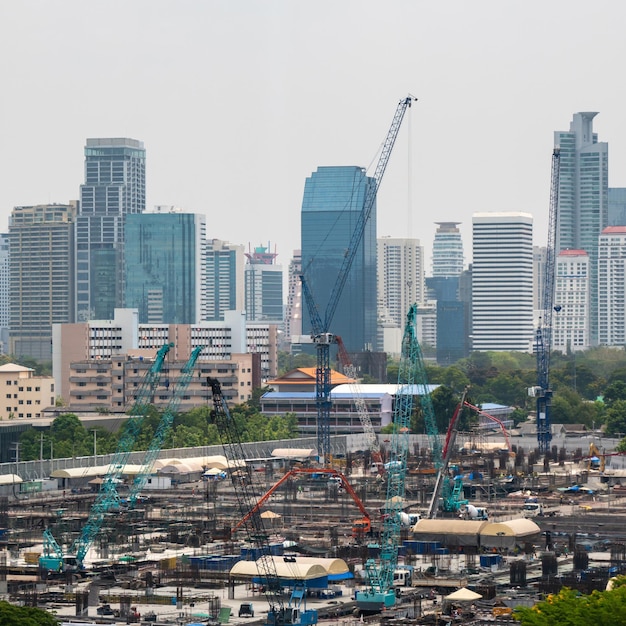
(303, 379)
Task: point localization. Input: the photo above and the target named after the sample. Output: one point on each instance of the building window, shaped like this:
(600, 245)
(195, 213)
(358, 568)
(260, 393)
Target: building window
(21, 389)
(37, 388)
(29, 388)
(9, 395)
(8, 382)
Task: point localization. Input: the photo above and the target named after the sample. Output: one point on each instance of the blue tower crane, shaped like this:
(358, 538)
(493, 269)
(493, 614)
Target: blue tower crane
(320, 328)
(53, 558)
(380, 592)
(543, 337)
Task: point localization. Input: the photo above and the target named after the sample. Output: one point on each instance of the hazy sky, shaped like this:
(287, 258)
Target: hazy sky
(238, 102)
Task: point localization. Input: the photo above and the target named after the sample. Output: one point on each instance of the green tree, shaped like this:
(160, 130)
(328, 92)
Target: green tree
(69, 437)
(12, 615)
(616, 418)
(601, 608)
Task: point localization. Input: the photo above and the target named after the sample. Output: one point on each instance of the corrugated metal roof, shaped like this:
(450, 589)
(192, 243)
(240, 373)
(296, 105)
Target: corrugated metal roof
(348, 391)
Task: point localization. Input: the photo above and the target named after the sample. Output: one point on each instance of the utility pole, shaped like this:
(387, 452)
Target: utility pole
(95, 447)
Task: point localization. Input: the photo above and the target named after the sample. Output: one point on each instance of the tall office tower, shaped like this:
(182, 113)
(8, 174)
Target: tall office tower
(447, 250)
(583, 199)
(263, 286)
(5, 299)
(293, 310)
(225, 264)
(41, 243)
(617, 206)
(115, 186)
(333, 202)
(612, 287)
(502, 281)
(164, 266)
(570, 320)
(400, 276)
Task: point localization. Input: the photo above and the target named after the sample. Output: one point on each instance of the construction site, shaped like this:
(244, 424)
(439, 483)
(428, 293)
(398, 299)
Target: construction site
(440, 528)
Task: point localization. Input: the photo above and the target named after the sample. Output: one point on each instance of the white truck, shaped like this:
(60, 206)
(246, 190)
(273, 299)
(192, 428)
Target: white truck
(532, 508)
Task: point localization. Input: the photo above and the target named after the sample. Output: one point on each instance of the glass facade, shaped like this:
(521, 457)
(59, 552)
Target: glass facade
(115, 185)
(163, 266)
(583, 210)
(332, 204)
(224, 279)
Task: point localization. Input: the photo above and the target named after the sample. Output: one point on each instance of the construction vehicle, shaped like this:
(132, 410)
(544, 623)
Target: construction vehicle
(534, 508)
(320, 328)
(366, 423)
(450, 494)
(53, 557)
(295, 613)
(360, 527)
(380, 592)
(596, 460)
(495, 419)
(543, 336)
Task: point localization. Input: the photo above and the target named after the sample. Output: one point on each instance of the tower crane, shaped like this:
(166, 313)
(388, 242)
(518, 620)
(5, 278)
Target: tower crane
(380, 592)
(278, 614)
(543, 337)
(53, 557)
(320, 328)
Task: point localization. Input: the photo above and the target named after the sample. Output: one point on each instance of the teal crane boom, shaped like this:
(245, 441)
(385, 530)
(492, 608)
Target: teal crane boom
(53, 557)
(164, 427)
(380, 592)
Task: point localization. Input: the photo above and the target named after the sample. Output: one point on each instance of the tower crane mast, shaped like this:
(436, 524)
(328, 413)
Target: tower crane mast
(543, 337)
(320, 328)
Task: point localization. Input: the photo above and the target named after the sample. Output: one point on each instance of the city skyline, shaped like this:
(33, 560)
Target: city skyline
(277, 104)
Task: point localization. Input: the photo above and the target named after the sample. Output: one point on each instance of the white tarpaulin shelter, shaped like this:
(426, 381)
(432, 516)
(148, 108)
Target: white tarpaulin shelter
(463, 595)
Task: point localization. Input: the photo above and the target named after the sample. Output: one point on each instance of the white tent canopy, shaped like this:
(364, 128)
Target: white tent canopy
(463, 595)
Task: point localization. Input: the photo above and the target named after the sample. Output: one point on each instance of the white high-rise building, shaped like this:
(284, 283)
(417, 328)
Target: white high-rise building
(570, 319)
(293, 310)
(502, 281)
(447, 250)
(612, 286)
(400, 277)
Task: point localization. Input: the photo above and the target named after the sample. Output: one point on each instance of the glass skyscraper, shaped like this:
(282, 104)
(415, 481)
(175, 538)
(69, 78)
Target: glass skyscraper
(115, 186)
(583, 208)
(164, 266)
(332, 204)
